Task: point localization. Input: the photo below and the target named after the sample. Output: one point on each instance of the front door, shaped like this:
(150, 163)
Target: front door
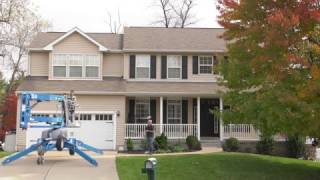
(209, 125)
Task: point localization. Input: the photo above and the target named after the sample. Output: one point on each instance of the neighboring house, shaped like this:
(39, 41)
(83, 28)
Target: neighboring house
(120, 79)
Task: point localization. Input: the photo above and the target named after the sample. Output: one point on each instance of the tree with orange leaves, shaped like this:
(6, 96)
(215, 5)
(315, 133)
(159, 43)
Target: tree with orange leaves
(273, 71)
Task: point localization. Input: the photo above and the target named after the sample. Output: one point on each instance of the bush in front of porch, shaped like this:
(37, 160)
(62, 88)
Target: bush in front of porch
(163, 145)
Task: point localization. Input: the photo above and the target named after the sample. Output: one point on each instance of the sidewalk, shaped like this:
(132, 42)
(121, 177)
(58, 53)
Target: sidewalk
(204, 150)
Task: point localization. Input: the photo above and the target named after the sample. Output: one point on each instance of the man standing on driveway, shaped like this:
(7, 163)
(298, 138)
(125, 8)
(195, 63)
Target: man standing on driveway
(149, 135)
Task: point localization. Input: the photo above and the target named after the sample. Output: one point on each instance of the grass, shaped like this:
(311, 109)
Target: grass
(3, 154)
(229, 166)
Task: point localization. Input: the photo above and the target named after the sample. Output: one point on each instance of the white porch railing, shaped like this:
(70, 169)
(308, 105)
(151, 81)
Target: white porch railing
(172, 131)
(240, 131)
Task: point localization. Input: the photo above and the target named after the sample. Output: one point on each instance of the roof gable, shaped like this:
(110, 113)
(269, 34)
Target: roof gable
(49, 47)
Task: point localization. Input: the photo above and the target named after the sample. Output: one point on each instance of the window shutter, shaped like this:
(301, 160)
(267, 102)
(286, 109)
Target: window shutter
(184, 67)
(153, 110)
(164, 111)
(195, 65)
(163, 67)
(184, 111)
(131, 111)
(153, 66)
(132, 66)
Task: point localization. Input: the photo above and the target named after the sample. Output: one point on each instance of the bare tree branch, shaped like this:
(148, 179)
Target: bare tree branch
(114, 24)
(176, 13)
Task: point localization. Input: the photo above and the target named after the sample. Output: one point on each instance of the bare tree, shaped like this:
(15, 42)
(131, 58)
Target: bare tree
(176, 13)
(166, 16)
(183, 14)
(15, 35)
(114, 24)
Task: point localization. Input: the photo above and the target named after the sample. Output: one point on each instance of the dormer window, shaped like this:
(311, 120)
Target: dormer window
(75, 66)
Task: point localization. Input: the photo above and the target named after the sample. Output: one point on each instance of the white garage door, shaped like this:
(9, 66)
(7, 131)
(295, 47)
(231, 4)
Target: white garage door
(97, 130)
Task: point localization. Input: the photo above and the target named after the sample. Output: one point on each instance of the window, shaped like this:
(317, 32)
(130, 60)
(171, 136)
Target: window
(174, 67)
(142, 66)
(92, 66)
(83, 117)
(205, 64)
(103, 117)
(60, 66)
(174, 111)
(76, 66)
(142, 111)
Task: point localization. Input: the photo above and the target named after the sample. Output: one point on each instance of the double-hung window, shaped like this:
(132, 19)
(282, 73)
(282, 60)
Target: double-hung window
(92, 64)
(205, 64)
(143, 66)
(142, 111)
(174, 67)
(174, 111)
(75, 66)
(60, 65)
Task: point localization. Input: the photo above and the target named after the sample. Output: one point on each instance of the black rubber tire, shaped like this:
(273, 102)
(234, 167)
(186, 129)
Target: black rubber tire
(60, 143)
(71, 152)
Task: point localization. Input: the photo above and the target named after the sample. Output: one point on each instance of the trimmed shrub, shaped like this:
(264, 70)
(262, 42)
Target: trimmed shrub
(129, 145)
(231, 145)
(265, 145)
(161, 142)
(296, 146)
(193, 143)
(143, 144)
(177, 148)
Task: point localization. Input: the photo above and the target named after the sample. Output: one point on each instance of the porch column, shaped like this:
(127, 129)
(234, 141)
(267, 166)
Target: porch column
(198, 116)
(221, 120)
(161, 114)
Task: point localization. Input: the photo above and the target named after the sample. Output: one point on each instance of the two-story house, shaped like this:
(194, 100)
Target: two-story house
(120, 79)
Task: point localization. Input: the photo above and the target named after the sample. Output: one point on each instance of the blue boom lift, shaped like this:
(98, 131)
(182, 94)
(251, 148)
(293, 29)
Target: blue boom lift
(56, 136)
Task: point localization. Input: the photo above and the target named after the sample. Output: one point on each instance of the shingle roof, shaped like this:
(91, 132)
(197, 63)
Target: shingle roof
(109, 40)
(173, 39)
(119, 86)
(150, 39)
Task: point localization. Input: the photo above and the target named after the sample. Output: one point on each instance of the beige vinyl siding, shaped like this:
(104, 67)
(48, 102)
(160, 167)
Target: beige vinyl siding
(39, 63)
(20, 134)
(112, 65)
(126, 66)
(75, 43)
(87, 103)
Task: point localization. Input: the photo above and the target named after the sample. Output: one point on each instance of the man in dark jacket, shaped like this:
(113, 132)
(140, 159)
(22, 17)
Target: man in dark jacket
(149, 135)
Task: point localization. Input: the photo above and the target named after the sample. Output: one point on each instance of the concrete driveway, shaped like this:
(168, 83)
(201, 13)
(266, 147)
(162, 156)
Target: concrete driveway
(61, 166)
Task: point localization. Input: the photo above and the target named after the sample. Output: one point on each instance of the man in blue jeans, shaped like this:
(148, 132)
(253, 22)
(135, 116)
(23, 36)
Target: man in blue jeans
(149, 135)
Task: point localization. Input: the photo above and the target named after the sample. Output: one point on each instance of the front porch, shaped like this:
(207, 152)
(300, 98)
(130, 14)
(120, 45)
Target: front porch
(178, 118)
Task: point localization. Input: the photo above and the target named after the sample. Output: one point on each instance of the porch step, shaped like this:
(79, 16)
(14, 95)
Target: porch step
(211, 143)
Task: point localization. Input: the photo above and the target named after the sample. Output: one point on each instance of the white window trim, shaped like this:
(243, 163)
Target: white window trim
(136, 67)
(180, 110)
(180, 58)
(135, 108)
(67, 77)
(212, 65)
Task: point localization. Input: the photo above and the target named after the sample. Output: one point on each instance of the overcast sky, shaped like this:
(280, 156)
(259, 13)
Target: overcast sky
(91, 15)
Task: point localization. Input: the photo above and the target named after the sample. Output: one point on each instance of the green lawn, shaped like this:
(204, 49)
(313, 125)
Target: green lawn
(220, 166)
(2, 154)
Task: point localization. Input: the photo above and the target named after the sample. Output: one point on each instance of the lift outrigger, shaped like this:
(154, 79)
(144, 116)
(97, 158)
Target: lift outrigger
(56, 136)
